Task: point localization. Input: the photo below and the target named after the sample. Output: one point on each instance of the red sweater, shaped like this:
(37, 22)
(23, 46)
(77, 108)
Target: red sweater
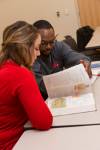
(20, 100)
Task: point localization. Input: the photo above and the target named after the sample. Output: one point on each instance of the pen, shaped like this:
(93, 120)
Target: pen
(96, 75)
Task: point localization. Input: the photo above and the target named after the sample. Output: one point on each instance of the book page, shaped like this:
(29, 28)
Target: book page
(71, 104)
(71, 81)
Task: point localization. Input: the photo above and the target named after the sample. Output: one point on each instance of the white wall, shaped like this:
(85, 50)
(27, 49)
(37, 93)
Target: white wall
(30, 10)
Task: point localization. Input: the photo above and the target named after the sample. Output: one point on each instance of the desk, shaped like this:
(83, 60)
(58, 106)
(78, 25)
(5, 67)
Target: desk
(77, 138)
(81, 118)
(74, 138)
(94, 42)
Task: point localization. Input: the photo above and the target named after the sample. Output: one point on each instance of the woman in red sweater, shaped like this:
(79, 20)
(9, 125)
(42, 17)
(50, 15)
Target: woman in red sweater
(20, 98)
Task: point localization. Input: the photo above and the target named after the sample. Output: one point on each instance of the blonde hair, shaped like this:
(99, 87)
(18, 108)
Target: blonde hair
(17, 40)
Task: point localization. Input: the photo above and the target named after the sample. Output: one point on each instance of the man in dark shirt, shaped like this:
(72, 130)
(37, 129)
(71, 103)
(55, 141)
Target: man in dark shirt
(55, 55)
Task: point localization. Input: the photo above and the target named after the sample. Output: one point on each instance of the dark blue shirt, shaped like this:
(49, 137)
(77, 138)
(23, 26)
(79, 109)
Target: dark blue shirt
(61, 57)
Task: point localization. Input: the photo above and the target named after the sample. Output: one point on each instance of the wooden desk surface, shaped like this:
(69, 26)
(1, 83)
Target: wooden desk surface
(72, 138)
(95, 40)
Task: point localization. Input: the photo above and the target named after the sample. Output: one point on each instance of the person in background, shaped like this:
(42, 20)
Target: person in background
(54, 55)
(20, 98)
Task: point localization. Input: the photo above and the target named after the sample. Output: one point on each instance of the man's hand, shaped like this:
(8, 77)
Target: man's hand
(87, 66)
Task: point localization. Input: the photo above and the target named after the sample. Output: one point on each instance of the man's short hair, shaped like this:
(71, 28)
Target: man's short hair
(42, 24)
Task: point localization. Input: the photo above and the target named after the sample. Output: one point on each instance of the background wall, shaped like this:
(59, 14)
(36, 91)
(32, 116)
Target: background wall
(89, 12)
(31, 10)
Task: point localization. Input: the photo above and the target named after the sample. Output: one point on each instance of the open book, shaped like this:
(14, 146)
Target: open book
(69, 91)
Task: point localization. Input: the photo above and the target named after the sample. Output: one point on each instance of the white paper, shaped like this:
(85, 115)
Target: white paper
(64, 83)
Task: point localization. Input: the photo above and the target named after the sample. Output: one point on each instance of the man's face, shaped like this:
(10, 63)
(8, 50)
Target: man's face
(47, 42)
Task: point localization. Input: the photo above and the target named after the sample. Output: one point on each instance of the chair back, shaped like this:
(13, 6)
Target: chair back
(84, 34)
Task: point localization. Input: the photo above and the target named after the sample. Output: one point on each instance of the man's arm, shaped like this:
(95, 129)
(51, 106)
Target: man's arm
(71, 57)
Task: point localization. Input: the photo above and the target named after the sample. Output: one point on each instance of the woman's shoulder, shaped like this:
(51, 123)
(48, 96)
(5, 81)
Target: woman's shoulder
(13, 69)
(22, 71)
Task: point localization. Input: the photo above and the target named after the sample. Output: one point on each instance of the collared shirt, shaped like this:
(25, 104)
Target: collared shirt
(60, 57)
